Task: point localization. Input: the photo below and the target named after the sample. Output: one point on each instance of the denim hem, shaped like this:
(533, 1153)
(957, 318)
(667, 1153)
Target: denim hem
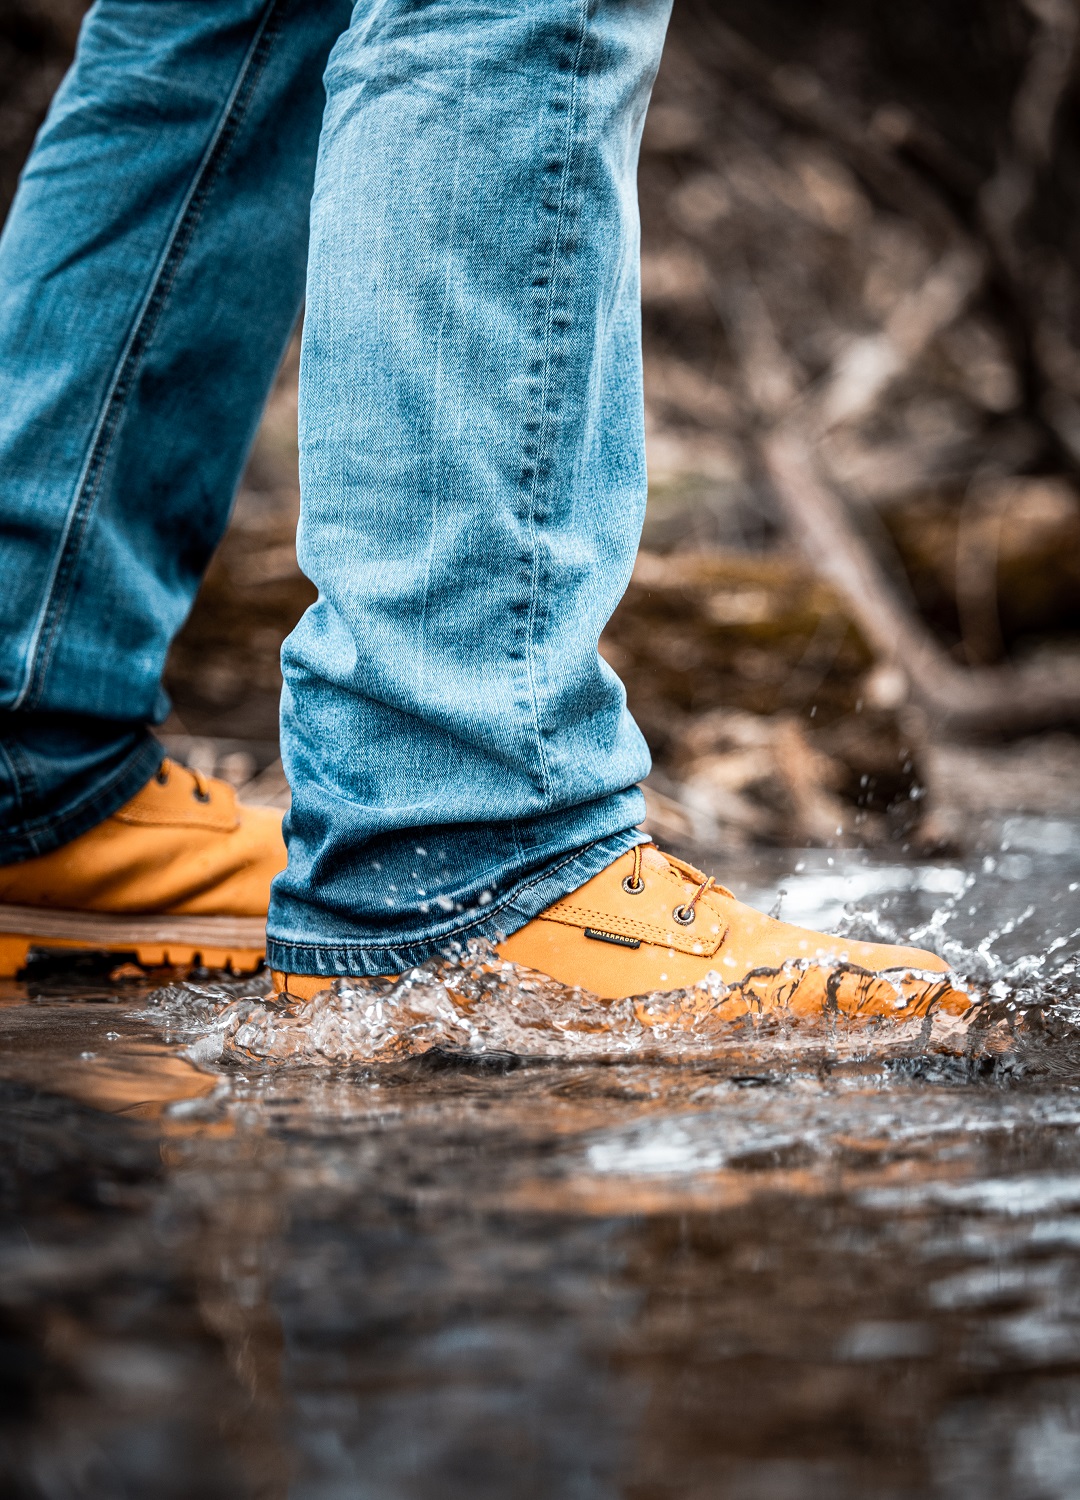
(352, 959)
(43, 835)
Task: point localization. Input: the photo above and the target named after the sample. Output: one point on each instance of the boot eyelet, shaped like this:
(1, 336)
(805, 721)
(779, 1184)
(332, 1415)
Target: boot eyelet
(684, 915)
(200, 796)
(161, 776)
(632, 887)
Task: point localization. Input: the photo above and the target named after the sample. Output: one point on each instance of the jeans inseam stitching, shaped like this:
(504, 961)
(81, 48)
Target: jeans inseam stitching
(47, 821)
(456, 932)
(15, 774)
(545, 388)
(43, 644)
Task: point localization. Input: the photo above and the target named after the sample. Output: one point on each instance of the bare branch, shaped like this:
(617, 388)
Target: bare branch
(801, 97)
(867, 368)
(1006, 198)
(958, 699)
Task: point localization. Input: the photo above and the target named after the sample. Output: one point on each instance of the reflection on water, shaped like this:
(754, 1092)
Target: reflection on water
(433, 1240)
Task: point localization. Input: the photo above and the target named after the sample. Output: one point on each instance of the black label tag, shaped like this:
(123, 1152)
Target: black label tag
(612, 937)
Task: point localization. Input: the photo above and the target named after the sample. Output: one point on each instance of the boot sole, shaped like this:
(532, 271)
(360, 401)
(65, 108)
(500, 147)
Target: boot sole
(237, 943)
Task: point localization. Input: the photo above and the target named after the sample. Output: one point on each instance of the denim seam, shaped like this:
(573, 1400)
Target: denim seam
(14, 764)
(541, 460)
(46, 632)
(482, 920)
(101, 792)
(103, 795)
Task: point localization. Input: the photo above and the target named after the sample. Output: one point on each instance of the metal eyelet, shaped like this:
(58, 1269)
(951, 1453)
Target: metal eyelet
(631, 888)
(162, 776)
(684, 915)
(200, 796)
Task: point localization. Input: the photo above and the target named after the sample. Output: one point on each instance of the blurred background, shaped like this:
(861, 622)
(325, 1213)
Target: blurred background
(855, 617)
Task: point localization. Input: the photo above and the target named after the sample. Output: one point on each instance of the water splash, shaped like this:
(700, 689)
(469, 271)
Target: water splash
(1018, 959)
(475, 1005)
(1048, 974)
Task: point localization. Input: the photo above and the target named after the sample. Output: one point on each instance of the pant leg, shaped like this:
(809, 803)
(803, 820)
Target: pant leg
(150, 272)
(472, 477)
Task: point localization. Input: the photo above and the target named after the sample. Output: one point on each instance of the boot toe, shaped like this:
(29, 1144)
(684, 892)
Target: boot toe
(878, 957)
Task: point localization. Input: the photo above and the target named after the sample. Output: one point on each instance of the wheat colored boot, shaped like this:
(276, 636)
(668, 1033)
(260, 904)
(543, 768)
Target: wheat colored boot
(179, 874)
(650, 922)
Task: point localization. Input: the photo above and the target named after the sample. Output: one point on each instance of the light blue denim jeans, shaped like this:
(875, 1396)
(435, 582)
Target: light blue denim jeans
(471, 435)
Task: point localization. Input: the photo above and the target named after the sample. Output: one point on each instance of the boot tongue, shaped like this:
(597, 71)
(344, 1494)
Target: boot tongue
(652, 859)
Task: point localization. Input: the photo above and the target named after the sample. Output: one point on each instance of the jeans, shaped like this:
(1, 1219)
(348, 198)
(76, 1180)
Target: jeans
(471, 435)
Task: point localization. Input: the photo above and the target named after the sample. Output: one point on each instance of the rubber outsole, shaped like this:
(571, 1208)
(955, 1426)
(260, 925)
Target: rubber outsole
(237, 943)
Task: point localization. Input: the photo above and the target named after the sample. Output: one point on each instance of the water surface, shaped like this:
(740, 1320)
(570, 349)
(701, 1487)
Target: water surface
(385, 1246)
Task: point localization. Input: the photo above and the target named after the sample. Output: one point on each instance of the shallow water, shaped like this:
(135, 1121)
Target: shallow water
(400, 1244)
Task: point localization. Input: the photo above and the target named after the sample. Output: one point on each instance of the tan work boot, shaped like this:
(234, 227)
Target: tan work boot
(181, 873)
(650, 922)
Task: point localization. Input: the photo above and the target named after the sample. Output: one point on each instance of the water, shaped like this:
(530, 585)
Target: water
(460, 1237)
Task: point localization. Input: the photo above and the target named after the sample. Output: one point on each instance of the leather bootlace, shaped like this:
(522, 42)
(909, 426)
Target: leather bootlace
(200, 791)
(634, 884)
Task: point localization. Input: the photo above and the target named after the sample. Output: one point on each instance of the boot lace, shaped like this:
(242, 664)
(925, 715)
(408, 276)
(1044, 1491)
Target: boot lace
(201, 789)
(634, 884)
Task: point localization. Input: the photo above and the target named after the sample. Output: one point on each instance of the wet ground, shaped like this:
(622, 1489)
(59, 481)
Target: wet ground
(386, 1247)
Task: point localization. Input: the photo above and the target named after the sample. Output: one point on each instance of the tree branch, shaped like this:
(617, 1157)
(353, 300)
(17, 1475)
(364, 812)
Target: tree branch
(956, 698)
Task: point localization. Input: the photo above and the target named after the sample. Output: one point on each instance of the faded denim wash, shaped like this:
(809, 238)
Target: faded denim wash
(472, 452)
